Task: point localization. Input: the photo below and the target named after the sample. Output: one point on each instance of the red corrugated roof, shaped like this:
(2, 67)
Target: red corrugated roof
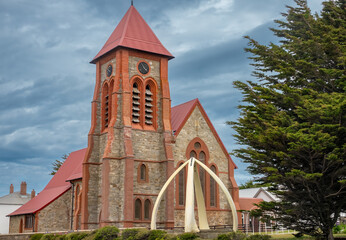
(248, 204)
(133, 32)
(56, 186)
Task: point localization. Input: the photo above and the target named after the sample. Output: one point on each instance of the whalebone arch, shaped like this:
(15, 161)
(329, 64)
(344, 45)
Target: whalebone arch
(193, 187)
(144, 103)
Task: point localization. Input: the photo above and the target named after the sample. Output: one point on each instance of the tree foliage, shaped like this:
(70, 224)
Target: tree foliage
(252, 184)
(293, 120)
(57, 164)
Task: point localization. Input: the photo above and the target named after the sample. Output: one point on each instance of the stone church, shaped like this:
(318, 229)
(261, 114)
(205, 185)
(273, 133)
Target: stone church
(136, 141)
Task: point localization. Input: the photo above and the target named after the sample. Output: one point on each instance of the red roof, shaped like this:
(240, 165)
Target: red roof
(180, 113)
(248, 204)
(133, 32)
(56, 186)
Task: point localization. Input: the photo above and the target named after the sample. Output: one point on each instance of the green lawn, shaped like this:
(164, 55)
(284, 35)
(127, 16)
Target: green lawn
(291, 237)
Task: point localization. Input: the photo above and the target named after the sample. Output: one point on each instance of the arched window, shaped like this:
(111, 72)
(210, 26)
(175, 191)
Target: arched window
(213, 188)
(143, 174)
(105, 105)
(136, 99)
(138, 209)
(199, 150)
(147, 209)
(201, 157)
(148, 105)
(181, 186)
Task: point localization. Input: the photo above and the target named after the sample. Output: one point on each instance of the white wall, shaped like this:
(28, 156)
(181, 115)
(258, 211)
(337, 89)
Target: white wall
(5, 221)
(264, 197)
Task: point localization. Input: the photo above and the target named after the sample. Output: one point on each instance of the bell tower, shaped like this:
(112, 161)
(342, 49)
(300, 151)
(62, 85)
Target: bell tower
(129, 155)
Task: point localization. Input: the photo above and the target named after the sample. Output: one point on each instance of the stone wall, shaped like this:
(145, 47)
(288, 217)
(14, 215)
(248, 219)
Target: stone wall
(57, 215)
(15, 223)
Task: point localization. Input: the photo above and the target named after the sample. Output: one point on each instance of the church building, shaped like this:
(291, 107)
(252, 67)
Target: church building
(136, 141)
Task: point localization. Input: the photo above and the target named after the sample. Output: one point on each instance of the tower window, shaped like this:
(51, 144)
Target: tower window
(105, 105)
(138, 209)
(143, 172)
(136, 103)
(148, 105)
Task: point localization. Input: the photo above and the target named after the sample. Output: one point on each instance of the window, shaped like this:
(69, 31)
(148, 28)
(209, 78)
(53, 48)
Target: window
(138, 209)
(144, 103)
(148, 105)
(181, 186)
(212, 188)
(105, 103)
(201, 158)
(136, 98)
(193, 154)
(29, 221)
(143, 175)
(147, 209)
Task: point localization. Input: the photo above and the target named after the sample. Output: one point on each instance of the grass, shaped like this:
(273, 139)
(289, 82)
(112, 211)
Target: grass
(291, 237)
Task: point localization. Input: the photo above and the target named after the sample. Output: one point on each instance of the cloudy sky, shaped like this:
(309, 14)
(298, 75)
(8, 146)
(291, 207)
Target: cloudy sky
(46, 81)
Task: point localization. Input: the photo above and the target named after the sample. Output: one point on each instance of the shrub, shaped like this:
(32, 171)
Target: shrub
(258, 237)
(60, 237)
(129, 233)
(49, 236)
(106, 233)
(36, 236)
(157, 234)
(232, 236)
(187, 236)
(76, 236)
(143, 234)
(337, 229)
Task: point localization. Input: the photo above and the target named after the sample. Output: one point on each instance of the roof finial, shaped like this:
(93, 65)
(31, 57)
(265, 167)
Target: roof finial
(131, 2)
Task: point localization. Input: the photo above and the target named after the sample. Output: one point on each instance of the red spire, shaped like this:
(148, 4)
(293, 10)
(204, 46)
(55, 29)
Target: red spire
(133, 32)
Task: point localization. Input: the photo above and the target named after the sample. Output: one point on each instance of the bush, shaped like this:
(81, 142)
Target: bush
(36, 236)
(258, 237)
(76, 236)
(157, 234)
(106, 233)
(129, 233)
(187, 236)
(337, 229)
(232, 236)
(49, 236)
(143, 234)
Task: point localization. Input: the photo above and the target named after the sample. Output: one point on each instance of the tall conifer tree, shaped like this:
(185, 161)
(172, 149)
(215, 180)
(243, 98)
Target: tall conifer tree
(293, 121)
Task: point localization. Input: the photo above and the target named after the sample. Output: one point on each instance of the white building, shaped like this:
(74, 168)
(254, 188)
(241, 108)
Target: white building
(11, 202)
(260, 192)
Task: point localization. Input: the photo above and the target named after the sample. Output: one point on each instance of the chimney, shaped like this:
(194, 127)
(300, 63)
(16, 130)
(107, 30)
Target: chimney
(23, 188)
(11, 188)
(33, 193)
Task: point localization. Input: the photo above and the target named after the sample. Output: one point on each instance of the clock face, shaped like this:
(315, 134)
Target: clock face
(143, 67)
(109, 70)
